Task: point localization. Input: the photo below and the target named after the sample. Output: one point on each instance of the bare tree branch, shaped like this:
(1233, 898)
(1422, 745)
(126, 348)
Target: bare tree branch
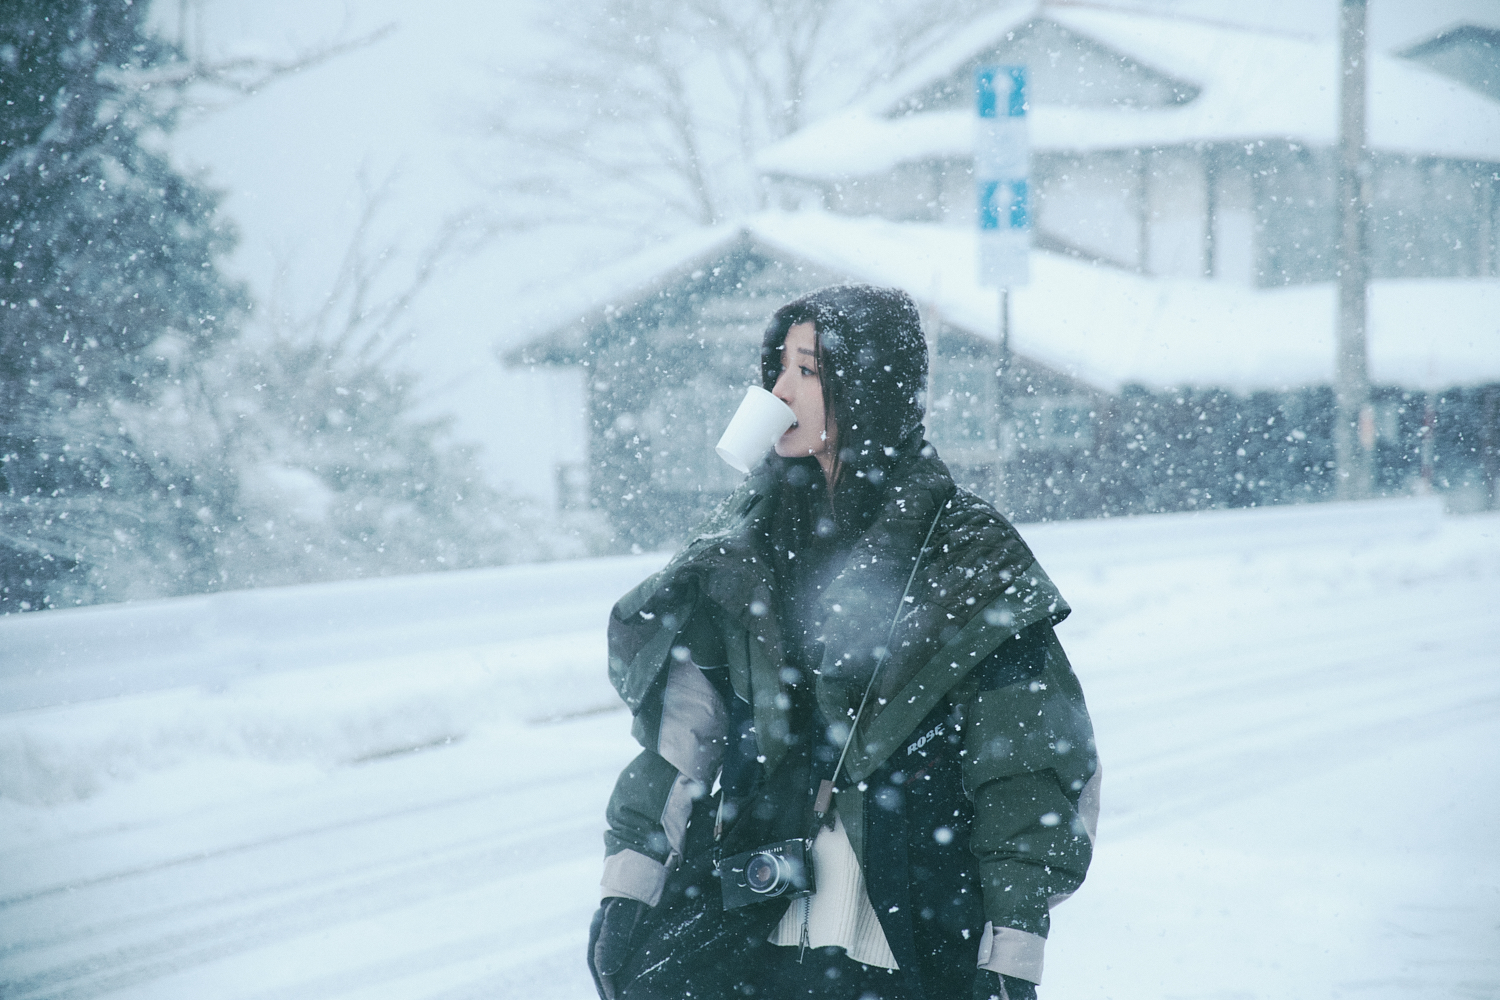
(245, 76)
(653, 115)
(359, 316)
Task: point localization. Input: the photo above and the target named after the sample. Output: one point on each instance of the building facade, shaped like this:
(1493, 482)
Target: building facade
(1183, 186)
(1177, 149)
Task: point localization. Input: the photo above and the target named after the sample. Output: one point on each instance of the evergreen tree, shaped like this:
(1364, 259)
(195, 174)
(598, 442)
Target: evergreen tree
(150, 445)
(333, 476)
(108, 262)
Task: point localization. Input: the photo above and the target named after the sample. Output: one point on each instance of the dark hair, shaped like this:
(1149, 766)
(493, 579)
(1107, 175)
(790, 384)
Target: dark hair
(873, 361)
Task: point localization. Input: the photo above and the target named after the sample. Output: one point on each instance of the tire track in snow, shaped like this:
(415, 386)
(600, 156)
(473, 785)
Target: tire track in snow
(352, 822)
(1285, 754)
(481, 965)
(427, 846)
(239, 923)
(1331, 672)
(352, 796)
(1240, 727)
(348, 875)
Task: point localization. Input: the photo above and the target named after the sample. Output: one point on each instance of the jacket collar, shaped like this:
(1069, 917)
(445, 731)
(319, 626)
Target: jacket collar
(976, 585)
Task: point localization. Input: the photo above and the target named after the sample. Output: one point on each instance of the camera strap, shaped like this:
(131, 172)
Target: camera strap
(823, 801)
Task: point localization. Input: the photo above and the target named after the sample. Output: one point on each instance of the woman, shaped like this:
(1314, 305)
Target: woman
(852, 663)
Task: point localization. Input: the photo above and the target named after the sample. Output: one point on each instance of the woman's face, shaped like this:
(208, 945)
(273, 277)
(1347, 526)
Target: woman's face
(801, 387)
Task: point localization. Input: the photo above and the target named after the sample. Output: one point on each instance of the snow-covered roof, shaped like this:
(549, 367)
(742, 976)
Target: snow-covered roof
(569, 310)
(1469, 53)
(1101, 325)
(1253, 85)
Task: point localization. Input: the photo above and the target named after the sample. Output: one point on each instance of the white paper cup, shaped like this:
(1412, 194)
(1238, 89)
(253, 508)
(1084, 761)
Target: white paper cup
(757, 425)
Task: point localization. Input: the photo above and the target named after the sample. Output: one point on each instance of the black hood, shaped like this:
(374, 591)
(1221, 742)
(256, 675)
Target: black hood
(874, 370)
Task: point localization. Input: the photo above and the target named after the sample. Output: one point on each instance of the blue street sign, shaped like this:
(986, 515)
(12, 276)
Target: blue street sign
(1001, 168)
(1013, 79)
(1003, 205)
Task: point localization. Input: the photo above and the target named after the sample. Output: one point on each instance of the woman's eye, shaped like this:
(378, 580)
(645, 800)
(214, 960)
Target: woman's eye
(806, 371)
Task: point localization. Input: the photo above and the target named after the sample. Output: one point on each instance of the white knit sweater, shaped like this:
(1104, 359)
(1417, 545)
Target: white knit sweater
(839, 912)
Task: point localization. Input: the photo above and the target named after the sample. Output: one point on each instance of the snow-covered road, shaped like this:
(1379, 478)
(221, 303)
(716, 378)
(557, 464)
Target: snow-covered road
(1298, 710)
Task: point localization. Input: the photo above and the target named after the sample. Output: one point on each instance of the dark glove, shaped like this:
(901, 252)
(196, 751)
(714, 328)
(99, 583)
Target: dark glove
(612, 938)
(993, 986)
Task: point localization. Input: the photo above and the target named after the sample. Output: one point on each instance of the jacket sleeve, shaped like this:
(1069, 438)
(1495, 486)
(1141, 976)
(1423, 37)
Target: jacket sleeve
(1031, 768)
(684, 736)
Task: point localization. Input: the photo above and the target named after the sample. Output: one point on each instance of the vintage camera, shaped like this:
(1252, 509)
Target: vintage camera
(777, 871)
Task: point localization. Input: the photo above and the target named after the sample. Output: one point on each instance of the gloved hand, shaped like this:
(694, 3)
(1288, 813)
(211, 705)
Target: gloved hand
(612, 937)
(993, 986)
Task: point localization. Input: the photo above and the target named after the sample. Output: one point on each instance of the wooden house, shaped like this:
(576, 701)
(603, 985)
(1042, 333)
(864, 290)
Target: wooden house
(1122, 392)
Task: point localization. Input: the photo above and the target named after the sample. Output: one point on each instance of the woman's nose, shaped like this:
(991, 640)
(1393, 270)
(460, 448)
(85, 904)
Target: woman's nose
(782, 390)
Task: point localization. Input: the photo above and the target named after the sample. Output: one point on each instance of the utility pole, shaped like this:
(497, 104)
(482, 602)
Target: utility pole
(1354, 422)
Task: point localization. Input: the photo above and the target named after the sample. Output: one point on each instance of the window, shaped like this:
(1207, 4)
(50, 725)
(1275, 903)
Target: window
(1065, 424)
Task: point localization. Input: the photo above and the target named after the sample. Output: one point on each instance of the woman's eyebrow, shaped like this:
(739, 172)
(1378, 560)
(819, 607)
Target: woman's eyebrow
(807, 351)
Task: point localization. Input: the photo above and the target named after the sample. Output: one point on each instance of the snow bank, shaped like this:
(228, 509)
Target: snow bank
(384, 667)
(325, 716)
(325, 674)
(79, 654)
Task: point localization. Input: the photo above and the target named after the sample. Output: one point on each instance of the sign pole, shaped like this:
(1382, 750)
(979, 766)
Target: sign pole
(1004, 326)
(1004, 419)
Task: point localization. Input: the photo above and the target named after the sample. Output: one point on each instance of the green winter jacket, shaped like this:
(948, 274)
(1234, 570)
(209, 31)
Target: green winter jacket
(1018, 738)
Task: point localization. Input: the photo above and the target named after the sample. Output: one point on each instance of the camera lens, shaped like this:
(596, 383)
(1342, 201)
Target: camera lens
(767, 874)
